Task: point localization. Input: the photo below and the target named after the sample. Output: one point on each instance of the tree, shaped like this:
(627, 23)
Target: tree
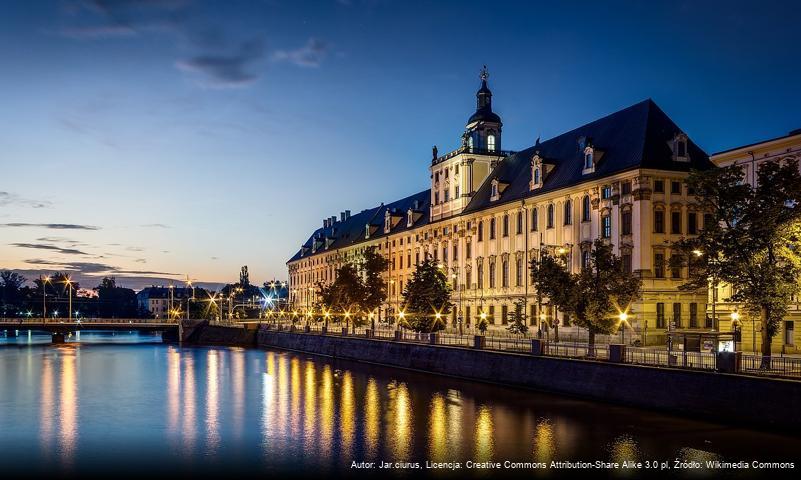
(593, 297)
(426, 294)
(10, 289)
(517, 319)
(244, 278)
(345, 293)
(751, 240)
(114, 301)
(373, 265)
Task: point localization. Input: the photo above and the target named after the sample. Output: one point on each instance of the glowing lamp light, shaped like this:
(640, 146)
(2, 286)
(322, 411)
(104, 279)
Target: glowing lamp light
(735, 315)
(623, 316)
(483, 315)
(438, 315)
(697, 252)
(402, 314)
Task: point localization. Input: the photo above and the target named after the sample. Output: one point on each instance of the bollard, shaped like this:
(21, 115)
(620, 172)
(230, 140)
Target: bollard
(479, 342)
(433, 338)
(617, 352)
(398, 335)
(536, 347)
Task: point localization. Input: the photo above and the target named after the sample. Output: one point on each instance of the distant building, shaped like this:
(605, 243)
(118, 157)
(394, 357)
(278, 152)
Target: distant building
(489, 212)
(749, 158)
(159, 300)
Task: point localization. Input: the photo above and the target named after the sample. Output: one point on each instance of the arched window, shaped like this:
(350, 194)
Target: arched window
(506, 225)
(549, 220)
(470, 142)
(505, 273)
(491, 142)
(606, 226)
(480, 231)
(569, 212)
(585, 208)
(588, 160)
(519, 229)
(534, 218)
(480, 274)
(536, 176)
(492, 228)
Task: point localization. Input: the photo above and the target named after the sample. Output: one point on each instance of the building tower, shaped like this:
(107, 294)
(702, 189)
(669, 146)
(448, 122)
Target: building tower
(456, 176)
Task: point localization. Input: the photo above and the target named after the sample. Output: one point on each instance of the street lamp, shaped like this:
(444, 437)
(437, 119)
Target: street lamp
(68, 283)
(45, 280)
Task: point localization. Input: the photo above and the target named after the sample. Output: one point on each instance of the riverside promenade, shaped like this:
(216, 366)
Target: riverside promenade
(709, 393)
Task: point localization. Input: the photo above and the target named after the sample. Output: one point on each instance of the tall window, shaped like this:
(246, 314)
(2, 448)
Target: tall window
(626, 260)
(519, 272)
(505, 273)
(660, 315)
(588, 160)
(659, 221)
(625, 188)
(447, 193)
(506, 225)
(536, 176)
(585, 208)
(456, 191)
(569, 212)
(468, 250)
(550, 216)
(677, 314)
(606, 191)
(606, 226)
(480, 274)
(492, 275)
(692, 223)
(519, 223)
(468, 278)
(625, 220)
(675, 222)
(480, 231)
(659, 186)
(504, 314)
(693, 315)
(491, 142)
(585, 259)
(492, 228)
(455, 250)
(675, 187)
(659, 265)
(534, 218)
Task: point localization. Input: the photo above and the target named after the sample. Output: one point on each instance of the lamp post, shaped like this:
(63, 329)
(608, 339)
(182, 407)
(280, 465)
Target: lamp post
(68, 283)
(45, 280)
(455, 277)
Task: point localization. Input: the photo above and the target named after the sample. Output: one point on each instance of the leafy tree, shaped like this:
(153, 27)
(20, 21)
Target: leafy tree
(592, 297)
(345, 293)
(244, 277)
(751, 240)
(482, 325)
(517, 319)
(11, 284)
(202, 308)
(114, 301)
(373, 265)
(426, 293)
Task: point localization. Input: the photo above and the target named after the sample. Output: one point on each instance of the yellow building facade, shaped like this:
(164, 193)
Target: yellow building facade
(749, 158)
(489, 212)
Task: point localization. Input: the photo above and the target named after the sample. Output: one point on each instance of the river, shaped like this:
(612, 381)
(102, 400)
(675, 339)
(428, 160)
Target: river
(126, 403)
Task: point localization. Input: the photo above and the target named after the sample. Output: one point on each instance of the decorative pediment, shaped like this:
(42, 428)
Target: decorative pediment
(678, 145)
(391, 219)
(412, 216)
(540, 168)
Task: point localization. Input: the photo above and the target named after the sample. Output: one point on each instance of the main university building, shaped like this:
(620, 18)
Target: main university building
(489, 212)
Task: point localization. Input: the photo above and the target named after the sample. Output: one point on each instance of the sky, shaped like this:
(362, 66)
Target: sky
(155, 140)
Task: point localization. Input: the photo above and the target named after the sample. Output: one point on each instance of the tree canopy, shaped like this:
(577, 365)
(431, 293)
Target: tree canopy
(751, 239)
(596, 295)
(427, 293)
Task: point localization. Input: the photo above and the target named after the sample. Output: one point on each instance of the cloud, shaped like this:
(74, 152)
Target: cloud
(309, 55)
(230, 69)
(93, 268)
(134, 249)
(114, 18)
(53, 226)
(8, 199)
(43, 246)
(155, 225)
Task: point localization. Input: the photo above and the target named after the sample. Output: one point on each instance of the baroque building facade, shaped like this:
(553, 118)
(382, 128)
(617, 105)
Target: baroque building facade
(489, 212)
(749, 158)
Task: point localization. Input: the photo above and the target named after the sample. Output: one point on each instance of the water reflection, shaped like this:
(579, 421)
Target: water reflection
(212, 402)
(224, 407)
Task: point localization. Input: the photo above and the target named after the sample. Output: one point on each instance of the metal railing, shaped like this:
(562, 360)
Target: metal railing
(770, 366)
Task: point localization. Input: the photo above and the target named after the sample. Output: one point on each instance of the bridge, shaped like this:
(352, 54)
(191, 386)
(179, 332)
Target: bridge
(59, 328)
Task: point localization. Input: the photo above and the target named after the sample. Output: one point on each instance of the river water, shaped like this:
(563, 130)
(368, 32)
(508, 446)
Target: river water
(128, 404)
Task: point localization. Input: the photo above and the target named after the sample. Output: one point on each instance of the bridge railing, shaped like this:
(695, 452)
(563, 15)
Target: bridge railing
(85, 321)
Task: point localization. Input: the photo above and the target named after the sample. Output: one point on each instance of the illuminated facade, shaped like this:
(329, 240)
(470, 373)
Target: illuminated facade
(489, 212)
(749, 158)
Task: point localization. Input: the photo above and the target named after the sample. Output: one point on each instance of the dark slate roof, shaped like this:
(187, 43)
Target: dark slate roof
(635, 137)
(352, 230)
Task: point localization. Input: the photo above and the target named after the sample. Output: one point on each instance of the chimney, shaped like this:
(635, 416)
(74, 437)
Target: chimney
(341, 216)
(325, 223)
(333, 219)
(347, 214)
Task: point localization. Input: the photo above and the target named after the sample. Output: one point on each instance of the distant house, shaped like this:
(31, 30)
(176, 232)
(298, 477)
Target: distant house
(159, 300)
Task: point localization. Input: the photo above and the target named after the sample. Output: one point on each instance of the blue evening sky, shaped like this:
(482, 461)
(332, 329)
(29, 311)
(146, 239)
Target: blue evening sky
(147, 138)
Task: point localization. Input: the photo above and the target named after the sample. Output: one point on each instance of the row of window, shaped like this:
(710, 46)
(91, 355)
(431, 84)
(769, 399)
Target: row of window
(676, 222)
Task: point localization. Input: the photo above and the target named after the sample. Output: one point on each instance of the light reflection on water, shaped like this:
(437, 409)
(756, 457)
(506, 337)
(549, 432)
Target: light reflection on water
(219, 408)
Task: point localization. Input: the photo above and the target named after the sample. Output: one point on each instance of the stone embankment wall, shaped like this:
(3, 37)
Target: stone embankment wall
(762, 402)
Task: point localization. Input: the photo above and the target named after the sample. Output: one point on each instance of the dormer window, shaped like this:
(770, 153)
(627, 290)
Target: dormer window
(494, 188)
(589, 160)
(409, 218)
(387, 222)
(679, 147)
(491, 142)
(470, 142)
(497, 188)
(536, 172)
